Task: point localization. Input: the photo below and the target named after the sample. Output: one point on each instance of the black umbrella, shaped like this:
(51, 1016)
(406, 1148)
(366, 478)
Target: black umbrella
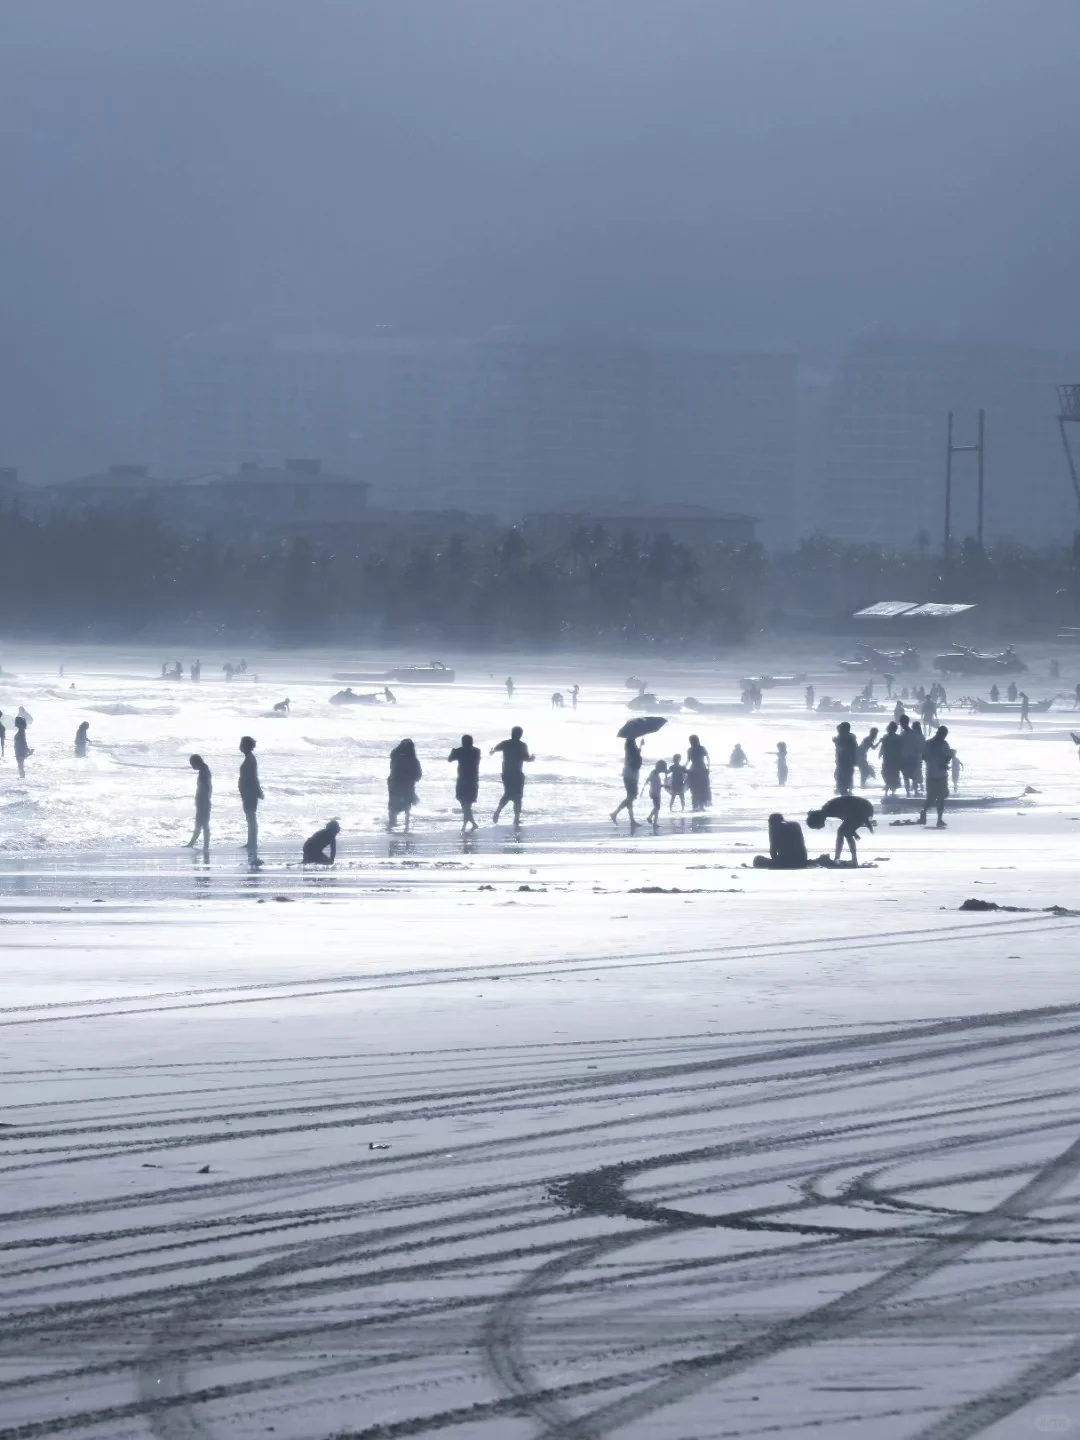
(641, 725)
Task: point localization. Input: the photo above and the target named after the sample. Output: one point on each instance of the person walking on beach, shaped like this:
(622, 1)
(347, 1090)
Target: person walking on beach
(515, 753)
(938, 755)
(401, 783)
(781, 763)
(862, 759)
(955, 765)
(251, 793)
(656, 790)
(82, 740)
(854, 813)
(467, 758)
(631, 774)
(809, 697)
(204, 789)
(321, 848)
(575, 690)
(697, 775)
(22, 749)
(676, 782)
(1025, 711)
(509, 687)
(846, 749)
(1011, 693)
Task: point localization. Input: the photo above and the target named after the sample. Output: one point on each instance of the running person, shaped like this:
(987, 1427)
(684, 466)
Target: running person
(515, 753)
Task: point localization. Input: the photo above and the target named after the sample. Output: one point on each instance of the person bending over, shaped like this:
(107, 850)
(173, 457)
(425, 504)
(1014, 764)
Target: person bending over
(321, 848)
(854, 814)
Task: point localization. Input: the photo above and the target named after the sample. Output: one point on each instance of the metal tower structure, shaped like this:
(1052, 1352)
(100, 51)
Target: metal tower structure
(1069, 413)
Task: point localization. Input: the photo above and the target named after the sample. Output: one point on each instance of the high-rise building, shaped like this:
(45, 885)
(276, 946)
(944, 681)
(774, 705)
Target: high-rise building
(509, 424)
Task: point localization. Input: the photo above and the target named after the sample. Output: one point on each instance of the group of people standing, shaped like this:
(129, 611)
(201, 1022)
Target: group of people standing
(675, 777)
(922, 765)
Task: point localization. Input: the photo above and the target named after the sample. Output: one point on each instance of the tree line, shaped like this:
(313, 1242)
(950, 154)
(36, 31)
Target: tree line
(119, 572)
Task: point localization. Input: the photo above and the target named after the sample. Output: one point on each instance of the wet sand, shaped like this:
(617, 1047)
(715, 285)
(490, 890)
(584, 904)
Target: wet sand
(673, 1147)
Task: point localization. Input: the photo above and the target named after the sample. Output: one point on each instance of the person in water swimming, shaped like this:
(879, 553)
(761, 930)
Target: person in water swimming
(82, 740)
(467, 758)
(737, 758)
(854, 813)
(204, 789)
(321, 848)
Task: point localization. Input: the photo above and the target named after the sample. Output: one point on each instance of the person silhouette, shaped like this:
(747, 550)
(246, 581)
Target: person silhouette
(847, 754)
(854, 813)
(405, 773)
(82, 740)
(204, 789)
(3, 735)
(631, 773)
(656, 790)
(515, 753)
(22, 749)
(467, 758)
(321, 848)
(575, 691)
(282, 706)
(781, 763)
(251, 793)
(509, 687)
(697, 775)
(676, 782)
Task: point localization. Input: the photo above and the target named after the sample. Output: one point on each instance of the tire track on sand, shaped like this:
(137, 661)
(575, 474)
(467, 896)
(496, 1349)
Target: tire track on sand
(837, 1317)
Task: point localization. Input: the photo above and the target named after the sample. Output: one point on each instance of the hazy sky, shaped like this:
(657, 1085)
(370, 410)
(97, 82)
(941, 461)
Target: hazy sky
(781, 170)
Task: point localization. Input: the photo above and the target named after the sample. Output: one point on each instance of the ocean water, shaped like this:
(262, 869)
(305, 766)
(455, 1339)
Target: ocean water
(134, 791)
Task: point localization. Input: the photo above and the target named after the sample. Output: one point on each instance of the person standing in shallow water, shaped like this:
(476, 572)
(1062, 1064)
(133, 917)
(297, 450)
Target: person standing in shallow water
(509, 687)
(204, 788)
(514, 754)
(405, 775)
(866, 744)
(631, 774)
(22, 748)
(847, 755)
(251, 793)
(676, 782)
(82, 740)
(3, 735)
(467, 758)
(1025, 712)
(938, 756)
(697, 775)
(781, 763)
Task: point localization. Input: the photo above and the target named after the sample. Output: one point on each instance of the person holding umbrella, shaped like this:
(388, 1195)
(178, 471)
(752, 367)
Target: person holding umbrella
(633, 731)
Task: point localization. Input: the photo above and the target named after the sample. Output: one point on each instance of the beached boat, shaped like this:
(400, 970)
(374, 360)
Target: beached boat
(348, 697)
(962, 660)
(434, 673)
(649, 702)
(715, 707)
(769, 682)
(900, 803)
(1008, 707)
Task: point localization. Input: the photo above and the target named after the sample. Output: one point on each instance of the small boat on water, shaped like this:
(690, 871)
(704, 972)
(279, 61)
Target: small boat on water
(649, 702)
(433, 673)
(349, 697)
(1007, 707)
(715, 707)
(769, 682)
